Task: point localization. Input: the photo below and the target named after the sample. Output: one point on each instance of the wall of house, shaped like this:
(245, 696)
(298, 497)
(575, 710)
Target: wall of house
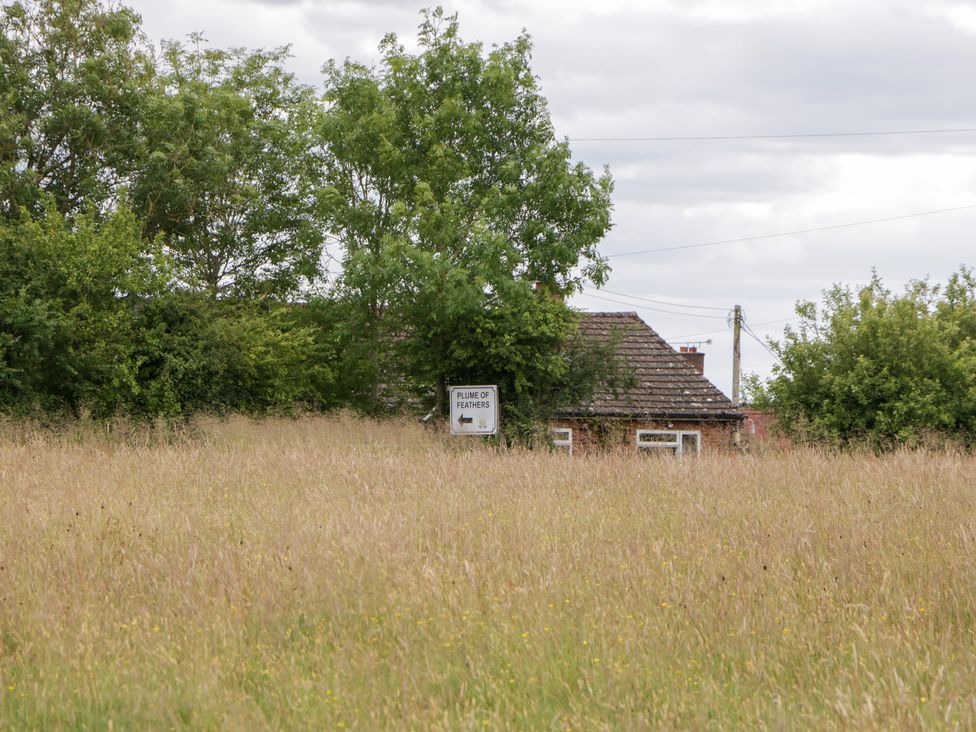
(620, 434)
(759, 429)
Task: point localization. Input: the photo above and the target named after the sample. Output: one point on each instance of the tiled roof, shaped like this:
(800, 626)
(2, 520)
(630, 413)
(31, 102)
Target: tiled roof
(667, 385)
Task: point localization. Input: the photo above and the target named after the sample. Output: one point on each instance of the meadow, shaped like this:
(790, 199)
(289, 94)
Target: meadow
(334, 573)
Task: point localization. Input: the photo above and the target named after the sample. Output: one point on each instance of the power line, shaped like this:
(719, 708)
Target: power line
(726, 330)
(681, 305)
(692, 335)
(757, 339)
(663, 302)
(781, 320)
(801, 135)
(656, 310)
(796, 231)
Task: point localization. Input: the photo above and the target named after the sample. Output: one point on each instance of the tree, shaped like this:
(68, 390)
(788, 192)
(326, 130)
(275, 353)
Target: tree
(229, 173)
(874, 366)
(90, 323)
(68, 292)
(73, 78)
(462, 219)
(197, 354)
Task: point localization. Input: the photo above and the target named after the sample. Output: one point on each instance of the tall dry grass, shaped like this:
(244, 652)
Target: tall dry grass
(334, 573)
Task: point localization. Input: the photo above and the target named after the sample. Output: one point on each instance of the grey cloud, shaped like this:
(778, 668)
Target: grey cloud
(851, 72)
(853, 67)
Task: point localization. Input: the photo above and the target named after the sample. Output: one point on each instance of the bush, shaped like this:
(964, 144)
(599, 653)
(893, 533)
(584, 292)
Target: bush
(873, 366)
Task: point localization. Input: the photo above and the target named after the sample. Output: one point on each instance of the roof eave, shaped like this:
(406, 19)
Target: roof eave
(654, 416)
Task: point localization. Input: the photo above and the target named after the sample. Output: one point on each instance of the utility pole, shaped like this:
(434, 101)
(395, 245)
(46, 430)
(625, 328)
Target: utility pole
(736, 367)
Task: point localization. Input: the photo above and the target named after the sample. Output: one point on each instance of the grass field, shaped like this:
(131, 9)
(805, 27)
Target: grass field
(338, 574)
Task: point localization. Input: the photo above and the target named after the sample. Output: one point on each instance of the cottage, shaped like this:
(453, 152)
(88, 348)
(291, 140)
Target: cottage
(669, 408)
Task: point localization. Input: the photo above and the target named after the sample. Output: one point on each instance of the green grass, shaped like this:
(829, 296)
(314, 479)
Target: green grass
(332, 573)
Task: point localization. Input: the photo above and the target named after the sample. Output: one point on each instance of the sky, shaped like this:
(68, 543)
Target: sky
(616, 70)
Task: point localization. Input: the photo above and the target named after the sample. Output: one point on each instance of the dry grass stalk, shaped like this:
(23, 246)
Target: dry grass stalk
(329, 573)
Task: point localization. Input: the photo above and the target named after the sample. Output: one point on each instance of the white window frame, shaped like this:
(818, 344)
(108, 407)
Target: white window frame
(676, 444)
(562, 438)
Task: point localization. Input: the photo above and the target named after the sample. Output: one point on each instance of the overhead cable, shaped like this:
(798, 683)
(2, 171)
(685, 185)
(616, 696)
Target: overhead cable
(692, 335)
(656, 310)
(664, 302)
(800, 135)
(759, 340)
(794, 232)
(726, 330)
(781, 320)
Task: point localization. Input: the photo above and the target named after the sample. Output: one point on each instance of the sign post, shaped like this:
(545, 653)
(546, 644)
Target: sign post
(474, 410)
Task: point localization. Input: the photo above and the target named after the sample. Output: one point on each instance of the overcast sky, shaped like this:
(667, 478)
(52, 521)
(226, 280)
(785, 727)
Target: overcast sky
(719, 68)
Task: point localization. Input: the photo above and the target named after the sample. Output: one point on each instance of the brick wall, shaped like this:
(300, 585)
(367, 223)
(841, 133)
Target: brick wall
(759, 429)
(607, 434)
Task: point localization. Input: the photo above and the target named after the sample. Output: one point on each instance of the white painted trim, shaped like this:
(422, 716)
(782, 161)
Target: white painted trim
(562, 437)
(676, 442)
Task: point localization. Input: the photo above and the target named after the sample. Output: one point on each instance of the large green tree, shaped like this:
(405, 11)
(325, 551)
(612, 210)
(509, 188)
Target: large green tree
(870, 365)
(68, 293)
(194, 353)
(74, 76)
(90, 324)
(228, 178)
(461, 217)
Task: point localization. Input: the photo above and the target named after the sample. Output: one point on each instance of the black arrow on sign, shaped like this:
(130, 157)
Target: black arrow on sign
(465, 420)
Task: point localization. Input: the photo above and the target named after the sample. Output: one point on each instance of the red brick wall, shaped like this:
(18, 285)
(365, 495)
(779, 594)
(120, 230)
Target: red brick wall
(759, 428)
(605, 434)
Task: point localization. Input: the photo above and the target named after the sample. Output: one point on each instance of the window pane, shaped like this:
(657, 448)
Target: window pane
(671, 437)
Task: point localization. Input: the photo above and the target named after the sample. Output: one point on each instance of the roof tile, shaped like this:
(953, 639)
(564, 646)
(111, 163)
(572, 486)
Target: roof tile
(667, 385)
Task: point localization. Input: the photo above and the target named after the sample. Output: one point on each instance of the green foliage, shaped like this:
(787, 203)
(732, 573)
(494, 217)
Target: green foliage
(335, 327)
(89, 324)
(874, 366)
(74, 75)
(66, 295)
(228, 178)
(452, 198)
(158, 222)
(197, 354)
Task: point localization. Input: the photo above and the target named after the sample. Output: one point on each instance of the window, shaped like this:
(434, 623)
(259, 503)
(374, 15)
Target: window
(669, 442)
(562, 439)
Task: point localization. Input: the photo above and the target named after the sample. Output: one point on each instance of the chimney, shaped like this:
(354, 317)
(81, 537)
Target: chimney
(693, 356)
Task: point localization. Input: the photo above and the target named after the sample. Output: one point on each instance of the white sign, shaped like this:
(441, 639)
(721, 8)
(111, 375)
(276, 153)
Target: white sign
(474, 410)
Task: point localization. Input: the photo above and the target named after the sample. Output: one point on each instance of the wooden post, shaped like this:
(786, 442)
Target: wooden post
(736, 353)
(736, 367)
